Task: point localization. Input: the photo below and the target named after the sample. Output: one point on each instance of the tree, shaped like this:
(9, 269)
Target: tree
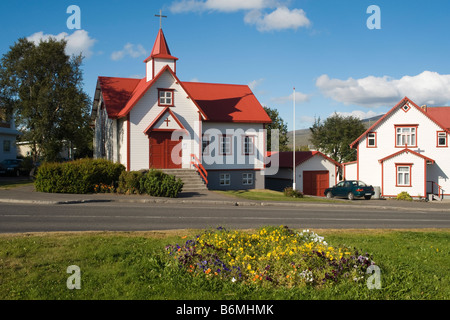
(42, 86)
(334, 136)
(279, 124)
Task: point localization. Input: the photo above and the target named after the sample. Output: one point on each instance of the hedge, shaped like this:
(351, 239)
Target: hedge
(158, 184)
(77, 177)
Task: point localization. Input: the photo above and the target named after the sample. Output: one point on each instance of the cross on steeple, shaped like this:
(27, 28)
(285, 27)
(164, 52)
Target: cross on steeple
(160, 16)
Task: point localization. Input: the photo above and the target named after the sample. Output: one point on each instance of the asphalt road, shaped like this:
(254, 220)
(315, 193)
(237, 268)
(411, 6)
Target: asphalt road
(19, 218)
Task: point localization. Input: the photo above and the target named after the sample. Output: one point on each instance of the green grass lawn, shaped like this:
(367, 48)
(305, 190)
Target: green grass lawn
(414, 265)
(271, 195)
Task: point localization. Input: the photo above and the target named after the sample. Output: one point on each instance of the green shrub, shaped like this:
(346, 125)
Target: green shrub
(404, 196)
(290, 192)
(158, 184)
(77, 177)
(130, 182)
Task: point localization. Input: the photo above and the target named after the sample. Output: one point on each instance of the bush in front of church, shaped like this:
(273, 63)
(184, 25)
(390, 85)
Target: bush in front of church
(159, 184)
(77, 177)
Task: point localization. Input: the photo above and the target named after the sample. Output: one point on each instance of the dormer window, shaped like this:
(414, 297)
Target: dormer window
(165, 97)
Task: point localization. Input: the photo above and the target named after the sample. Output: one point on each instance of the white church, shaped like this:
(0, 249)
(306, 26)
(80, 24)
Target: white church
(163, 123)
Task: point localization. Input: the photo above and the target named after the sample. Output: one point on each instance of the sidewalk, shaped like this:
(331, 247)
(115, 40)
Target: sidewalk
(27, 195)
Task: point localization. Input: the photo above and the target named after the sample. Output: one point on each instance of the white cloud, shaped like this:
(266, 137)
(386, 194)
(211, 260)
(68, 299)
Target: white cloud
(130, 50)
(255, 83)
(426, 88)
(78, 42)
(359, 114)
(280, 19)
(219, 5)
(299, 98)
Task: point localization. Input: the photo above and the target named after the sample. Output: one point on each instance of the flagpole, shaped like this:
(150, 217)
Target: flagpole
(293, 162)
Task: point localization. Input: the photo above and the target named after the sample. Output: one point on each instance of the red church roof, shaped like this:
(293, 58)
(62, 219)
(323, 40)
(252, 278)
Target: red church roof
(160, 48)
(116, 93)
(227, 102)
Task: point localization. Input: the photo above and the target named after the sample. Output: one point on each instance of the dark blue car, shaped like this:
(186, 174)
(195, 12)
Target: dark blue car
(350, 189)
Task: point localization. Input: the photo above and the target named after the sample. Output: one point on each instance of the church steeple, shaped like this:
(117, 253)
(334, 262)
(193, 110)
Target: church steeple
(160, 57)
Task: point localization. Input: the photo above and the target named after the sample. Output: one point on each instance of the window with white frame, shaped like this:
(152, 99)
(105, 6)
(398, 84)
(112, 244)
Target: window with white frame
(225, 145)
(406, 136)
(247, 179)
(372, 140)
(225, 179)
(442, 139)
(249, 145)
(165, 97)
(404, 175)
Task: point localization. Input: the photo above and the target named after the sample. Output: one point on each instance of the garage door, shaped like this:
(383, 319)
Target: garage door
(315, 182)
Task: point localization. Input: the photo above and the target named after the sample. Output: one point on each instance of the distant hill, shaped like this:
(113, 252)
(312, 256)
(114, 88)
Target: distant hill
(302, 136)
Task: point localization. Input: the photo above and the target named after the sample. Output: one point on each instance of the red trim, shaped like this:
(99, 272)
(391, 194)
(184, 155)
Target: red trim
(407, 151)
(437, 139)
(416, 126)
(128, 143)
(425, 178)
(410, 174)
(159, 97)
(357, 162)
(367, 140)
(153, 69)
(382, 179)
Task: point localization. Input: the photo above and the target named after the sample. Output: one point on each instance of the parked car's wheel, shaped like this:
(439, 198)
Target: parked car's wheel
(329, 195)
(367, 197)
(351, 196)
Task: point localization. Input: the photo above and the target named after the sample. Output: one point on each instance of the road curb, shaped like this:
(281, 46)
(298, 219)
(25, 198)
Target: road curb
(216, 203)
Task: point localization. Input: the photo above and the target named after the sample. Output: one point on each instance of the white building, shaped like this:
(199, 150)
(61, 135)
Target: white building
(406, 150)
(163, 123)
(8, 135)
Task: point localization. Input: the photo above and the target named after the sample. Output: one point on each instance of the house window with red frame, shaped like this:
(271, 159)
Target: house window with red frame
(165, 97)
(442, 139)
(403, 175)
(372, 140)
(406, 136)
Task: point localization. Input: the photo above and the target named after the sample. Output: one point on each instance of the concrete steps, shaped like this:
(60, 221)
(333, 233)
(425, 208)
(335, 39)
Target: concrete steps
(193, 182)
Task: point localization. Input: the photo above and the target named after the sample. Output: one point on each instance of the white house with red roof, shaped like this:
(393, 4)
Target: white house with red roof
(163, 123)
(406, 150)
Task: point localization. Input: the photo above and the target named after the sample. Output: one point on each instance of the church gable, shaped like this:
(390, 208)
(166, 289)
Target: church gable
(166, 121)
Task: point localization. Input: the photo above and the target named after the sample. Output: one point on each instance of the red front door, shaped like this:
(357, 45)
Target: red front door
(315, 182)
(161, 147)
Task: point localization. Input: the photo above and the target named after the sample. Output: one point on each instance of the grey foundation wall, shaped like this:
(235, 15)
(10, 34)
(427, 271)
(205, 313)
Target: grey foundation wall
(236, 180)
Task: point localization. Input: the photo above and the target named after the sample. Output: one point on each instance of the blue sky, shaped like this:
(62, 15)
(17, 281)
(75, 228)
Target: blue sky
(323, 48)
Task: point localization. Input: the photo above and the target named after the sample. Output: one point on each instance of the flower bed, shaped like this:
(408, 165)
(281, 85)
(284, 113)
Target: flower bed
(270, 257)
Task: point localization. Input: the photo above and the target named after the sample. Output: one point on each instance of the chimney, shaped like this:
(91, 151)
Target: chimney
(424, 108)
